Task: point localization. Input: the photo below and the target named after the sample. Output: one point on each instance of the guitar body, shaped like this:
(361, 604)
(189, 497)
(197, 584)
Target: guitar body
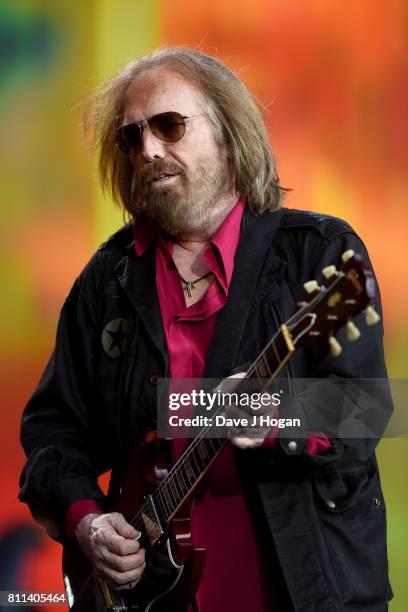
(173, 566)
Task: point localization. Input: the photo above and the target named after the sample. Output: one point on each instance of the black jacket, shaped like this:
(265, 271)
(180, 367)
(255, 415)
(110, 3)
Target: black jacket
(326, 512)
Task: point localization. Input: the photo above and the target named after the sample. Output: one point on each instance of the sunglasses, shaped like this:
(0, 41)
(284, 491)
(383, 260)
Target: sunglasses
(167, 127)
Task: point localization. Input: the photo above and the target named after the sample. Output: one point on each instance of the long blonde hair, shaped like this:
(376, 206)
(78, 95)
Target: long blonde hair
(232, 109)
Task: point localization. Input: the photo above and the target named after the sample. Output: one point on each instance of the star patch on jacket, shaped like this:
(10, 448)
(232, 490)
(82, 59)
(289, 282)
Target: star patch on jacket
(114, 337)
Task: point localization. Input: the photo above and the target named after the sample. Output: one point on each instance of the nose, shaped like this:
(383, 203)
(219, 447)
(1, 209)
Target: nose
(152, 147)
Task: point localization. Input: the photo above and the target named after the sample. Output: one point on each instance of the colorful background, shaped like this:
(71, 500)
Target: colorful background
(332, 77)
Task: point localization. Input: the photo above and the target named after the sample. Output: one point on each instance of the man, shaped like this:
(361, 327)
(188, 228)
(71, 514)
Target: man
(195, 286)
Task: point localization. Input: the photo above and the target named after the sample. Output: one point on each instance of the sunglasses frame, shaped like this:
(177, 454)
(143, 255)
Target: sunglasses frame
(125, 148)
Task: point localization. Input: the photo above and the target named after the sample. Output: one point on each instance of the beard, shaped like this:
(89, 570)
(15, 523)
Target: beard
(187, 206)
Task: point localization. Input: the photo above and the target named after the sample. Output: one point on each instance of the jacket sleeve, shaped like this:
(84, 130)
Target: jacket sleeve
(349, 399)
(56, 434)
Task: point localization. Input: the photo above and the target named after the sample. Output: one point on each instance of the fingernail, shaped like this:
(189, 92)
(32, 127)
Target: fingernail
(138, 536)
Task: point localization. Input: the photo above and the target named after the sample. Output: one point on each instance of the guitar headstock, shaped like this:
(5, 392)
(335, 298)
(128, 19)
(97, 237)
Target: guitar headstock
(343, 294)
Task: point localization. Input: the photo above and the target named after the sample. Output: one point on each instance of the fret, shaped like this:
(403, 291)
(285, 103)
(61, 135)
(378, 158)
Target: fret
(255, 373)
(268, 362)
(169, 489)
(217, 438)
(210, 444)
(276, 361)
(186, 473)
(275, 350)
(163, 505)
(165, 498)
(220, 444)
(217, 433)
(216, 445)
(181, 474)
(262, 366)
(143, 508)
(194, 465)
(189, 470)
(208, 449)
(198, 457)
(195, 471)
(177, 487)
(202, 449)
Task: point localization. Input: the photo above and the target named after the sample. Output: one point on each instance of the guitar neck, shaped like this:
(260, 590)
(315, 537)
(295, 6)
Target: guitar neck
(187, 472)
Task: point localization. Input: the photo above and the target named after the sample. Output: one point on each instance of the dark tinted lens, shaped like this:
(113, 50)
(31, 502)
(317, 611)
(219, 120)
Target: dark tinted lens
(169, 127)
(129, 137)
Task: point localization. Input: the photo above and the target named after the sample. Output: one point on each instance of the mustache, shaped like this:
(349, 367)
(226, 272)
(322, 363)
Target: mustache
(158, 167)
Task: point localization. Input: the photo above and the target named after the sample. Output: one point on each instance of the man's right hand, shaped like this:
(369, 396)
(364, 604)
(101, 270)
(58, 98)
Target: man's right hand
(111, 545)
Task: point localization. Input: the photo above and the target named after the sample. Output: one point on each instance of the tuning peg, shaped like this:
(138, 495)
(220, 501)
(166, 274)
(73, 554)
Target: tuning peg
(329, 271)
(335, 346)
(372, 317)
(347, 255)
(311, 286)
(353, 333)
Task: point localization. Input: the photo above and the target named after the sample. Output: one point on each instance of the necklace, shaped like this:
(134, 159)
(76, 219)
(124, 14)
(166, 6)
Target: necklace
(190, 285)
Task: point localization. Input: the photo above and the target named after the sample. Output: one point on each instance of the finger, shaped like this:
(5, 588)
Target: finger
(244, 443)
(121, 526)
(121, 579)
(118, 563)
(231, 382)
(121, 546)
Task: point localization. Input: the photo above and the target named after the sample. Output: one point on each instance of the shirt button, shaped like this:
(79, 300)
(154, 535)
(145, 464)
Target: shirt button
(377, 501)
(171, 265)
(154, 379)
(292, 446)
(330, 504)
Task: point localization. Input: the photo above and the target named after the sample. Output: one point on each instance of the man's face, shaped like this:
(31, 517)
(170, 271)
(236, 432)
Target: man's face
(184, 203)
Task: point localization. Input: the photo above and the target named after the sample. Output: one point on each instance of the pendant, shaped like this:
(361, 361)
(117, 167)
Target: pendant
(189, 285)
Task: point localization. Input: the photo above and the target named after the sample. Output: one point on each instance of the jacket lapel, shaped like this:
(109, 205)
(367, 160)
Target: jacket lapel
(137, 276)
(258, 263)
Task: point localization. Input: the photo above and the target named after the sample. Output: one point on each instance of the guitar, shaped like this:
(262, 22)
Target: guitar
(157, 499)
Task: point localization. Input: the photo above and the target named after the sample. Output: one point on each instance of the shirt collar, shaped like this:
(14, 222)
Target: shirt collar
(143, 234)
(227, 237)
